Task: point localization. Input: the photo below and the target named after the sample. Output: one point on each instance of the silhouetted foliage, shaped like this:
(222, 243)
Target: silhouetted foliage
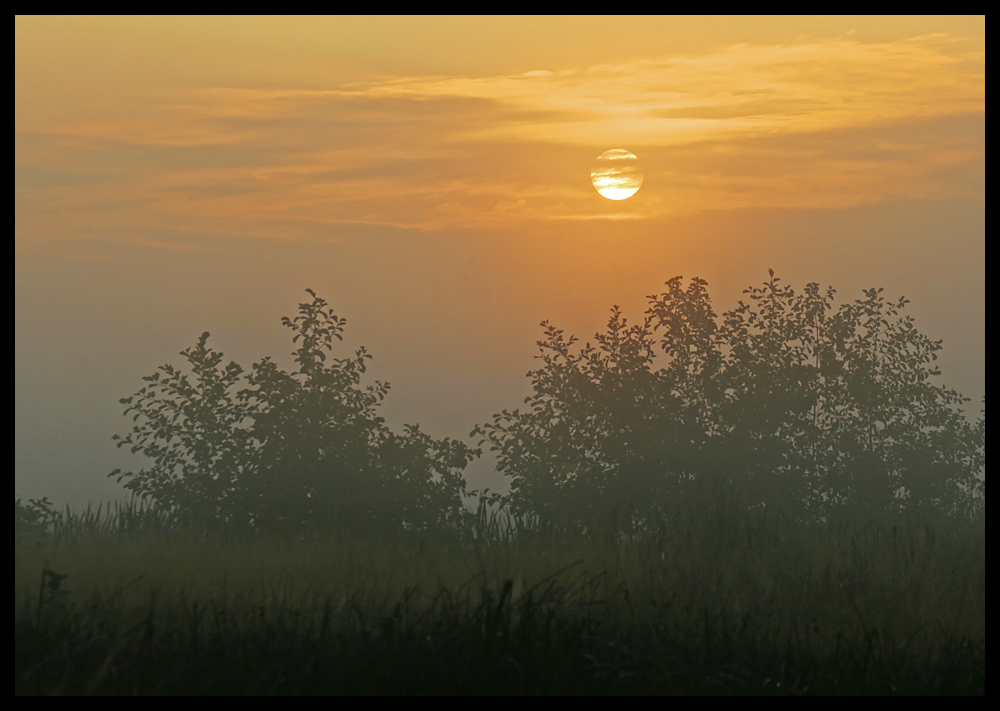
(718, 600)
(797, 404)
(287, 451)
(33, 519)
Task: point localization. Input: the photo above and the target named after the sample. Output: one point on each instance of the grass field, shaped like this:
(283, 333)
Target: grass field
(718, 601)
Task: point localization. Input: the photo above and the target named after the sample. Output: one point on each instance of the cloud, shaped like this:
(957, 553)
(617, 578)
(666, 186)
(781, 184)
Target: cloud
(742, 90)
(828, 123)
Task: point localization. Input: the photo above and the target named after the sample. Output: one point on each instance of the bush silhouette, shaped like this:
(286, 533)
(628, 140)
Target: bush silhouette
(798, 405)
(289, 451)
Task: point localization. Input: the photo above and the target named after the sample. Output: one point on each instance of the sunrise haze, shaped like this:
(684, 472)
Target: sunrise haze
(431, 179)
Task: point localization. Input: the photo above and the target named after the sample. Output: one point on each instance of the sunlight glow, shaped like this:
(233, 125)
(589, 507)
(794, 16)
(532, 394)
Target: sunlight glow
(616, 174)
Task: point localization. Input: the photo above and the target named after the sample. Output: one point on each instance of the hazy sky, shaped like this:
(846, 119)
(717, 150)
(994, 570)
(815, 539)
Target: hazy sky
(431, 179)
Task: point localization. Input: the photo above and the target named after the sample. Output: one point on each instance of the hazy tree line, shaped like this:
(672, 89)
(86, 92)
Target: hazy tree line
(787, 401)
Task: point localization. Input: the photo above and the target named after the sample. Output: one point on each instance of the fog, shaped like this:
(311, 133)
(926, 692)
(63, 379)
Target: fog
(450, 319)
(175, 177)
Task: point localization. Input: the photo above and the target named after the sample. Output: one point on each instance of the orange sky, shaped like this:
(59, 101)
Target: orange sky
(431, 179)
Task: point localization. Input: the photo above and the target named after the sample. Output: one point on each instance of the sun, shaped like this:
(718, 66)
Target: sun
(617, 174)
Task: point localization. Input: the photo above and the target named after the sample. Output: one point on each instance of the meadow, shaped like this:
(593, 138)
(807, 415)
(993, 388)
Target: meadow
(717, 599)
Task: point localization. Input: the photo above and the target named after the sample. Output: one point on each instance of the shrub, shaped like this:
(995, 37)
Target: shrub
(295, 451)
(34, 519)
(799, 405)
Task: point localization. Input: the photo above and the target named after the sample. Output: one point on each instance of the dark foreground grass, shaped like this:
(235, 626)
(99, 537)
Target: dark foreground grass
(719, 603)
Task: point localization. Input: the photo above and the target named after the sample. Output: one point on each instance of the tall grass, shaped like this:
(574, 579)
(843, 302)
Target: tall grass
(716, 600)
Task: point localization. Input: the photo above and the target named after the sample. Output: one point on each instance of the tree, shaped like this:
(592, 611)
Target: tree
(295, 451)
(799, 405)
